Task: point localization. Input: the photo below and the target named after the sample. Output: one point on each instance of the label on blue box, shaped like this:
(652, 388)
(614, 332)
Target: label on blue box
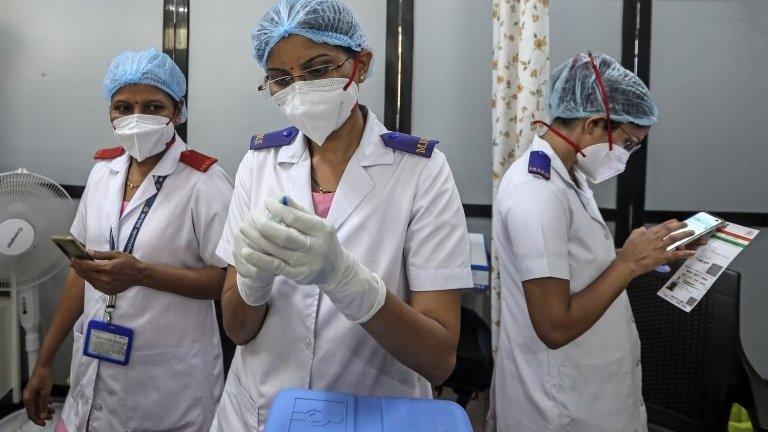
(108, 342)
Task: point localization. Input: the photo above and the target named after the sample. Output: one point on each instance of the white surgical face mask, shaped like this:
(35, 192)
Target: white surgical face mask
(318, 107)
(143, 135)
(600, 163)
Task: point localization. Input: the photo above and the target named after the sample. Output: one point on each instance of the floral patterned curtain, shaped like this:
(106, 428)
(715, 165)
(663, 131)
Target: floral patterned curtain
(520, 74)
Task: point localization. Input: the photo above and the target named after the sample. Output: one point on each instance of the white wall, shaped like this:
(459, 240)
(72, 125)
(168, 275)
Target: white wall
(452, 53)
(711, 87)
(708, 151)
(577, 26)
(452, 83)
(53, 57)
(225, 107)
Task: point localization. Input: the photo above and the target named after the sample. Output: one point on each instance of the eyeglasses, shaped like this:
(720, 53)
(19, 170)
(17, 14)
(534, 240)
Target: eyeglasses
(272, 85)
(633, 143)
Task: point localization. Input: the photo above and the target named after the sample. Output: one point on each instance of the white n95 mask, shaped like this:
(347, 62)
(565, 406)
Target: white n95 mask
(318, 107)
(143, 135)
(599, 162)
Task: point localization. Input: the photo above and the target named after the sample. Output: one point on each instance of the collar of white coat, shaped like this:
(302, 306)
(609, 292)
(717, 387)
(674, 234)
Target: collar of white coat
(371, 150)
(583, 191)
(557, 164)
(166, 166)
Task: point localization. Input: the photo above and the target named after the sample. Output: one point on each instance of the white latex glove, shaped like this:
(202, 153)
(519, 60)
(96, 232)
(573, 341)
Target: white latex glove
(304, 248)
(254, 283)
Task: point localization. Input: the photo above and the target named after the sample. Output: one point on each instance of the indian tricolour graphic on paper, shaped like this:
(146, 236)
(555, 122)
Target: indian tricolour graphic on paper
(697, 275)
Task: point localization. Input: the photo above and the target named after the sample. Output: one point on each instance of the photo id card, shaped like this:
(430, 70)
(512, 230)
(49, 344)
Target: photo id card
(109, 342)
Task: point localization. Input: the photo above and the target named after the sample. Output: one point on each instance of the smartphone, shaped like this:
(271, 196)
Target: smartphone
(701, 224)
(71, 247)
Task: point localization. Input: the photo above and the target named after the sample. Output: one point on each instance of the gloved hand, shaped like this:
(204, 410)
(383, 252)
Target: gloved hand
(254, 283)
(304, 248)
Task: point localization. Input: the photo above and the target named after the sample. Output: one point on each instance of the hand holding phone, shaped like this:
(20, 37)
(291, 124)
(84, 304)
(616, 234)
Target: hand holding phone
(71, 247)
(701, 224)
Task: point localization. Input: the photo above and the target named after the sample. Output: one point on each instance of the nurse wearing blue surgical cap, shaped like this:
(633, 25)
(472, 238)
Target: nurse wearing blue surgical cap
(569, 353)
(350, 282)
(147, 354)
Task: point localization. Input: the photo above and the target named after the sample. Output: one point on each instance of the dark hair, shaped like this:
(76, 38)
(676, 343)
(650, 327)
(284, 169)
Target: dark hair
(348, 51)
(569, 122)
(174, 102)
(178, 105)
(565, 122)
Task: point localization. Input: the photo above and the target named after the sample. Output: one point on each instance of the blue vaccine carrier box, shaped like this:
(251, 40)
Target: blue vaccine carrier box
(323, 411)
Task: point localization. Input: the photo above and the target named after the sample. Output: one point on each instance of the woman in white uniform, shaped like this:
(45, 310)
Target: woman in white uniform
(349, 284)
(569, 354)
(151, 216)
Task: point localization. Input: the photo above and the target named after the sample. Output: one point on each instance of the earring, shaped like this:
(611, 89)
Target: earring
(362, 77)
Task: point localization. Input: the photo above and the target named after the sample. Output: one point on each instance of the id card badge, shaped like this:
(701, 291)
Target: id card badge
(109, 342)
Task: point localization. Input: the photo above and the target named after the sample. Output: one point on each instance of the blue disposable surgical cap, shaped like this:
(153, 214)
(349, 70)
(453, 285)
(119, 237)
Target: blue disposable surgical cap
(574, 92)
(150, 67)
(323, 21)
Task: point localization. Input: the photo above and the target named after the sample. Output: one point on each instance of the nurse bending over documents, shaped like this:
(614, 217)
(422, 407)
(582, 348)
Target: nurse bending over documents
(569, 353)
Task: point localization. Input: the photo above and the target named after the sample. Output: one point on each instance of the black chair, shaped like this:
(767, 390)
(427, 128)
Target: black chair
(751, 392)
(474, 362)
(227, 346)
(690, 360)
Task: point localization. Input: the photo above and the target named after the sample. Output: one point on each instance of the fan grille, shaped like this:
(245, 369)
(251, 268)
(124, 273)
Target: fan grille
(48, 208)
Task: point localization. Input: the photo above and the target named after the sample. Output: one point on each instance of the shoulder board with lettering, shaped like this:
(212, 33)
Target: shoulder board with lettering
(197, 160)
(539, 164)
(278, 138)
(410, 144)
(108, 153)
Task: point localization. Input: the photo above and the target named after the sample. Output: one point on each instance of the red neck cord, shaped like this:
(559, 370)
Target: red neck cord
(561, 135)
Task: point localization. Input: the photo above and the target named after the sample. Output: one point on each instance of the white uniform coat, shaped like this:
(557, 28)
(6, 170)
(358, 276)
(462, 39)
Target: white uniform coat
(174, 379)
(553, 228)
(400, 215)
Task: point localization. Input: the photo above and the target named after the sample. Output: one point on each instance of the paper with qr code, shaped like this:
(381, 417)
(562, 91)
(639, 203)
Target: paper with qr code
(697, 275)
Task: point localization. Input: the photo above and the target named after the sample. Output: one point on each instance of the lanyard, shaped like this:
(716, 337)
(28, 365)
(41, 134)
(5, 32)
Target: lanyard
(131, 242)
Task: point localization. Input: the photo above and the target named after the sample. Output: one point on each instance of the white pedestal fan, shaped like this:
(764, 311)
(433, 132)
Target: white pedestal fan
(32, 209)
